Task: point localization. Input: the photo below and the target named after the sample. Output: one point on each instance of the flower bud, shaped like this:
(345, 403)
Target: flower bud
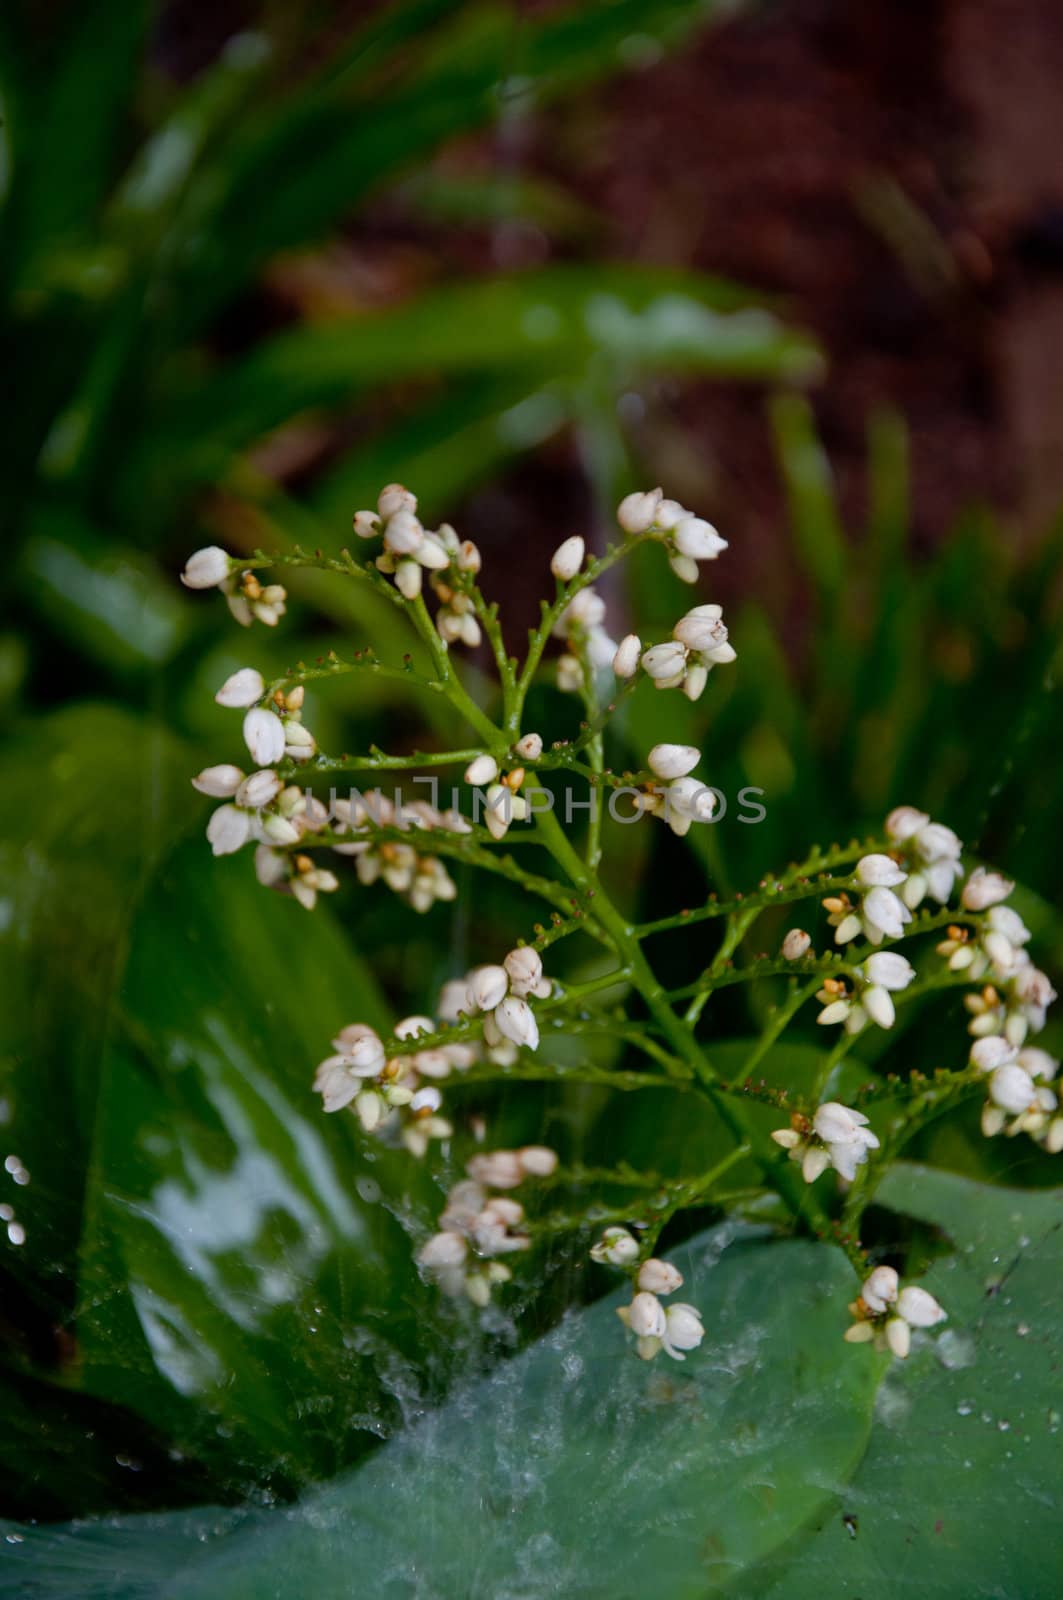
(880, 1289)
(615, 1248)
(904, 821)
(496, 1169)
(889, 970)
(366, 524)
(673, 760)
(469, 558)
(403, 534)
(796, 944)
(568, 558)
(530, 748)
(228, 830)
(626, 659)
(659, 1277)
(515, 1020)
(525, 969)
(264, 736)
(646, 1316)
(443, 1250)
(206, 568)
(879, 1006)
(487, 987)
(878, 871)
(394, 498)
(221, 783)
(684, 567)
(918, 1308)
(698, 539)
(538, 1160)
(984, 889)
(482, 769)
(664, 661)
(242, 689)
(636, 512)
(408, 579)
(259, 789)
(898, 1337)
(1012, 1088)
(683, 1330)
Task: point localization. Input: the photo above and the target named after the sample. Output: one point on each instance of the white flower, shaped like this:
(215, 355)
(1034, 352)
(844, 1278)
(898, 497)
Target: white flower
(487, 988)
(361, 1049)
(207, 568)
(637, 512)
(673, 760)
(264, 736)
(697, 539)
(990, 1052)
(904, 821)
(984, 889)
(515, 1020)
(646, 1316)
(221, 783)
(796, 944)
(615, 1248)
(889, 970)
(814, 1163)
(1038, 1063)
(626, 659)
(659, 1277)
(299, 742)
(687, 801)
(259, 789)
(242, 689)
(228, 830)
(568, 558)
(530, 748)
(846, 1136)
(683, 1330)
(394, 498)
(880, 1289)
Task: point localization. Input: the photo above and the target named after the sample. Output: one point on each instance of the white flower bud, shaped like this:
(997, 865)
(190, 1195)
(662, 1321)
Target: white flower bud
(434, 555)
(646, 1316)
(636, 512)
(403, 534)
(885, 914)
(568, 558)
(919, 1309)
(698, 539)
(1002, 919)
(242, 689)
(694, 682)
(1012, 1088)
(702, 629)
(796, 944)
(898, 1337)
(370, 1108)
(366, 524)
(984, 889)
(443, 1250)
(659, 1277)
(530, 748)
(673, 760)
(989, 1053)
(834, 1011)
(228, 830)
(537, 1160)
(206, 568)
(362, 1050)
(815, 1163)
(880, 1289)
(835, 1123)
(221, 783)
(1038, 1063)
(683, 1330)
(525, 969)
(515, 1020)
(615, 1248)
(496, 1169)
(394, 498)
(408, 579)
(879, 871)
(889, 970)
(264, 736)
(569, 674)
(259, 789)
(487, 988)
(904, 821)
(684, 567)
(483, 769)
(664, 661)
(502, 807)
(879, 1006)
(789, 1138)
(626, 659)
(469, 558)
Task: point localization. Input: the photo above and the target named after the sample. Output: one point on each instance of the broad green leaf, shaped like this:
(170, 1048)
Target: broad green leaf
(960, 1490)
(574, 1470)
(242, 1270)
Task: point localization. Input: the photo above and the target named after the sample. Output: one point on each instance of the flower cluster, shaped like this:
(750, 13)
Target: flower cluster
(419, 877)
(410, 550)
(675, 1328)
(699, 642)
(474, 1227)
(882, 975)
(930, 852)
(886, 1314)
(880, 913)
(248, 600)
(680, 799)
(687, 538)
(501, 995)
(580, 626)
(387, 1094)
(837, 1136)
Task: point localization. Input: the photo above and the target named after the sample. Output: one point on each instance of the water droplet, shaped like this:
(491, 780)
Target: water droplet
(964, 1408)
(955, 1349)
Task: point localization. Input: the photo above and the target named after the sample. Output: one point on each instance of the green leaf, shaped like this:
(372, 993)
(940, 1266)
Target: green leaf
(575, 1469)
(960, 1490)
